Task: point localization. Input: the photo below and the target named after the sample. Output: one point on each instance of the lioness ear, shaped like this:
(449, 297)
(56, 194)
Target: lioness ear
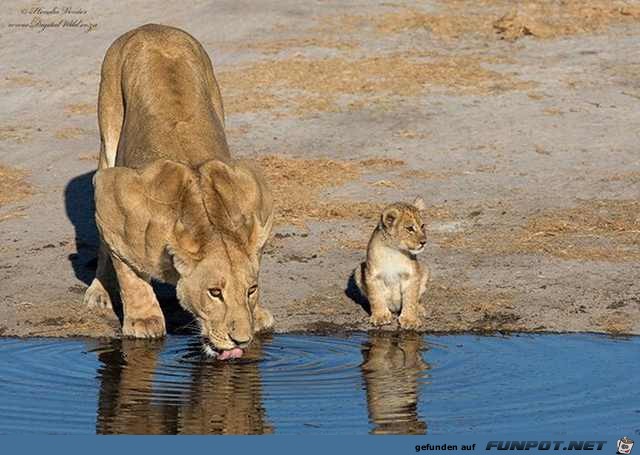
(419, 203)
(389, 216)
(183, 264)
(238, 190)
(260, 232)
(185, 250)
(185, 240)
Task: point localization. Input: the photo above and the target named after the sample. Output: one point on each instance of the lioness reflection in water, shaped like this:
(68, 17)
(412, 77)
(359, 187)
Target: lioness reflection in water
(138, 397)
(392, 367)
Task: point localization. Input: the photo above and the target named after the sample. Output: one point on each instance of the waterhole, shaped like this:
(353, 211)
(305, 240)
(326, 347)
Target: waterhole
(299, 384)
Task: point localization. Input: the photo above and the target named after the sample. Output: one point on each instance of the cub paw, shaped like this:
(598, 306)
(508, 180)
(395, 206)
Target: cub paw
(152, 327)
(409, 323)
(381, 318)
(96, 296)
(263, 319)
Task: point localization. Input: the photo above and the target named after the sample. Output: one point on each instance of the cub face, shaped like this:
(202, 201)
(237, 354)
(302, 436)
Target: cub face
(404, 226)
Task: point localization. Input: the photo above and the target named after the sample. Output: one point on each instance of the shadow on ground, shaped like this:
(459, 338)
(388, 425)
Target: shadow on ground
(353, 292)
(80, 209)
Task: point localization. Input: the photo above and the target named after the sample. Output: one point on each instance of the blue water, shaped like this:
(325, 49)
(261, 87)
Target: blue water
(305, 384)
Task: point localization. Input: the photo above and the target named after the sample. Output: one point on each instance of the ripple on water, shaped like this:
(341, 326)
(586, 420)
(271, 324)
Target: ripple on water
(557, 383)
(380, 383)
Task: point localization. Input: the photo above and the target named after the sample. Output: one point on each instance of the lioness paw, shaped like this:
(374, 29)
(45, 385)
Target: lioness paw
(96, 296)
(152, 327)
(383, 318)
(409, 323)
(263, 319)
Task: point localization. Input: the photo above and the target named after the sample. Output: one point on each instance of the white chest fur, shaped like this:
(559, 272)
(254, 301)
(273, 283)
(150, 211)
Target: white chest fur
(395, 267)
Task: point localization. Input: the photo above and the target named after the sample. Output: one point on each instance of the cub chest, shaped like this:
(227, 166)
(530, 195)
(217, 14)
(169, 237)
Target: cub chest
(394, 267)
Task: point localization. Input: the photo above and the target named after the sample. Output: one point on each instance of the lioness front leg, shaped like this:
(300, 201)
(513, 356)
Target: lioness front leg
(262, 318)
(98, 294)
(142, 314)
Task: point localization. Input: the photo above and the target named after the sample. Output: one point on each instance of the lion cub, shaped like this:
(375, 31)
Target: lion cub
(392, 278)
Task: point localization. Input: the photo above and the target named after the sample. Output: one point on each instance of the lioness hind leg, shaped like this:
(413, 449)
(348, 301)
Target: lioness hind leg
(98, 295)
(110, 117)
(111, 103)
(143, 317)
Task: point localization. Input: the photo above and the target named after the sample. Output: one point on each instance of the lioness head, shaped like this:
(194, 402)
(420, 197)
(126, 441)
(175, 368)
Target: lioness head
(221, 291)
(404, 227)
(202, 229)
(217, 255)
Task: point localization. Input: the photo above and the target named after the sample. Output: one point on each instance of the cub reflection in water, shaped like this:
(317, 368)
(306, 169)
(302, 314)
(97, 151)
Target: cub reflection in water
(138, 395)
(392, 368)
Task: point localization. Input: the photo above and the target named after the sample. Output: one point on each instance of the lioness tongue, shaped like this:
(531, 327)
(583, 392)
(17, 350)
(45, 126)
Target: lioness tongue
(234, 353)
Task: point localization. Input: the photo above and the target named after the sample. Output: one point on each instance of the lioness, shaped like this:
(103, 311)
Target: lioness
(171, 203)
(392, 278)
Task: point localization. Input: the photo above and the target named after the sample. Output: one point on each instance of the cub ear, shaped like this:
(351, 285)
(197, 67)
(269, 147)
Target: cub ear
(389, 216)
(419, 203)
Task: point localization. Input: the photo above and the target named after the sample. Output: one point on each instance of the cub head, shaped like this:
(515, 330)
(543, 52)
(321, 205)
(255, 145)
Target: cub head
(404, 226)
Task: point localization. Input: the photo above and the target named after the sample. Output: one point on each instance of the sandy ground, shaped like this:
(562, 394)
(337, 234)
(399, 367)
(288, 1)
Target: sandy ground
(518, 125)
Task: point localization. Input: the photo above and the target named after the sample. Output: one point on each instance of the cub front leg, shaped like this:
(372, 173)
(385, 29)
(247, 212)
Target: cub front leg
(425, 274)
(416, 286)
(142, 314)
(377, 294)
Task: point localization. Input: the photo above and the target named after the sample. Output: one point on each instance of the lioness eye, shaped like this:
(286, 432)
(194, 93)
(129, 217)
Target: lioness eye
(252, 290)
(411, 229)
(215, 293)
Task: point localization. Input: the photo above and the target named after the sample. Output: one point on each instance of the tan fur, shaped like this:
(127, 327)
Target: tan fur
(392, 369)
(171, 203)
(392, 278)
(216, 399)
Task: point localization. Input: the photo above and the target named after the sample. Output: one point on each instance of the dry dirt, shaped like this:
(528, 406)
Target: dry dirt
(517, 122)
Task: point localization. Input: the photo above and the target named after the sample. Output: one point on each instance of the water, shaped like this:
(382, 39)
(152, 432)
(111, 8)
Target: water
(294, 384)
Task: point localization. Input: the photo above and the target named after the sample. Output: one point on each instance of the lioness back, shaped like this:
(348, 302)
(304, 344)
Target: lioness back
(177, 100)
(171, 203)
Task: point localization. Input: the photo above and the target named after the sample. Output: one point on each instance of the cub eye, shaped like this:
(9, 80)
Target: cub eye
(422, 227)
(252, 290)
(215, 293)
(410, 229)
